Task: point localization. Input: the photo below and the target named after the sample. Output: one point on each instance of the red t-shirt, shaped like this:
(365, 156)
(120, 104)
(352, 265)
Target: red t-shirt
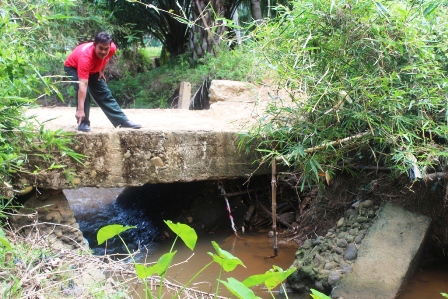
(84, 59)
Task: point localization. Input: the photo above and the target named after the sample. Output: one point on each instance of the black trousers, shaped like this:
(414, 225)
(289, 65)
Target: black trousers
(102, 96)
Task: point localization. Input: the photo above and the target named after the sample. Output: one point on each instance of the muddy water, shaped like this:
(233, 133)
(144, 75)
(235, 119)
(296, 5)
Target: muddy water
(95, 208)
(427, 284)
(253, 249)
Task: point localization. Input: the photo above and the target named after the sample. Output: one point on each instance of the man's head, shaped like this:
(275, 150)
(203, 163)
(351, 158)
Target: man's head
(102, 44)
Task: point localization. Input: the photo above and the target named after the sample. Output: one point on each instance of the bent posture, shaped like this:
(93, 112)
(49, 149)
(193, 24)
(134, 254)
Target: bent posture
(86, 66)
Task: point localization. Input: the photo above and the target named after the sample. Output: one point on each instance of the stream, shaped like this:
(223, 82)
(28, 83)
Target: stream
(95, 207)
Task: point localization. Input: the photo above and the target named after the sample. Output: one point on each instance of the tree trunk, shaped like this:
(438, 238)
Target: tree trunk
(236, 22)
(256, 10)
(206, 33)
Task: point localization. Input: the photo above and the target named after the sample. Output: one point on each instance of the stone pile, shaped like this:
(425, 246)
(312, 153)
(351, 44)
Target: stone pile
(49, 215)
(323, 261)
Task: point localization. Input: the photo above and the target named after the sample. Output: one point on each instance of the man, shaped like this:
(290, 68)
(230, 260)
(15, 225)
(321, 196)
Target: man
(85, 65)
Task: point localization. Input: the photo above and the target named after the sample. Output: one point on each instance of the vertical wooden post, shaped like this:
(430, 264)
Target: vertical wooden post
(274, 204)
(184, 96)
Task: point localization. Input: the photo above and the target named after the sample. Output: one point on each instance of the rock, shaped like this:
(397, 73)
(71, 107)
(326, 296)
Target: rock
(328, 266)
(340, 222)
(358, 239)
(342, 235)
(351, 252)
(334, 277)
(339, 250)
(319, 286)
(345, 268)
(367, 204)
(362, 219)
(341, 243)
(224, 90)
(157, 161)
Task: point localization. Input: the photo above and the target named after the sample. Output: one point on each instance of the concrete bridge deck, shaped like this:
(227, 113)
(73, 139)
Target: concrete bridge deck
(173, 145)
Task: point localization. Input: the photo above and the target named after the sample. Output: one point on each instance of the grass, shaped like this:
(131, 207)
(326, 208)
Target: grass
(32, 267)
(150, 52)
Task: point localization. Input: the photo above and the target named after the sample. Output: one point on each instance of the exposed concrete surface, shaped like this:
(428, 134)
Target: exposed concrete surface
(172, 145)
(387, 255)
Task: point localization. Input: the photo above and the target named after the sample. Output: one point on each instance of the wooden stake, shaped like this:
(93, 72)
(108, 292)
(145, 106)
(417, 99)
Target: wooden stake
(274, 205)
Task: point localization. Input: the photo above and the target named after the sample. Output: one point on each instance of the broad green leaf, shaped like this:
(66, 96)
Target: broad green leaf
(257, 279)
(144, 271)
(238, 289)
(160, 268)
(278, 278)
(185, 232)
(164, 262)
(444, 295)
(3, 240)
(318, 295)
(5, 243)
(224, 258)
(109, 231)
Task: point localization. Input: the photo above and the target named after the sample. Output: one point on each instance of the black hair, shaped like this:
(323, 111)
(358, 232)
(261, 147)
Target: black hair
(103, 38)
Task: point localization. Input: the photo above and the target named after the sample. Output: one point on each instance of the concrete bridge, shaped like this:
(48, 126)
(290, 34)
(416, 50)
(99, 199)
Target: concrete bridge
(173, 145)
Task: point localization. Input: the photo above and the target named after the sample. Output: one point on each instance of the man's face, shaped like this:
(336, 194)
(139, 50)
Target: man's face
(102, 49)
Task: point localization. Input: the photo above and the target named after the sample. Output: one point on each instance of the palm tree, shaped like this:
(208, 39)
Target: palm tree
(144, 19)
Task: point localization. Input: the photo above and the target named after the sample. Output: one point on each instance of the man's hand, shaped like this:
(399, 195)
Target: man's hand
(80, 116)
(101, 76)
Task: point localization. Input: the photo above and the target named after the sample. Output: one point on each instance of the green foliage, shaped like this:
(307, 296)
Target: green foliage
(367, 79)
(4, 241)
(110, 231)
(318, 295)
(24, 38)
(155, 88)
(239, 289)
(154, 18)
(270, 279)
(159, 268)
(185, 232)
(226, 260)
(444, 295)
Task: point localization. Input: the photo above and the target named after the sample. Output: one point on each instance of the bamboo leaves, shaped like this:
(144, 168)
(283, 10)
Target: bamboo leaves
(386, 56)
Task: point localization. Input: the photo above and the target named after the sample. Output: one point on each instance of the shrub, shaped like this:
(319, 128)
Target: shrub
(368, 84)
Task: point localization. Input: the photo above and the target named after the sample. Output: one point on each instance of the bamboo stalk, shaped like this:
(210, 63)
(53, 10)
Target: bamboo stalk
(316, 148)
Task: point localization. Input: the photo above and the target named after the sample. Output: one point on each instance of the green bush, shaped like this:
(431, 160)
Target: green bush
(156, 88)
(21, 84)
(368, 84)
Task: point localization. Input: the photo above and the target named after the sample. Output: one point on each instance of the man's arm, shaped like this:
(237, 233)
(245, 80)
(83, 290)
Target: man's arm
(82, 92)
